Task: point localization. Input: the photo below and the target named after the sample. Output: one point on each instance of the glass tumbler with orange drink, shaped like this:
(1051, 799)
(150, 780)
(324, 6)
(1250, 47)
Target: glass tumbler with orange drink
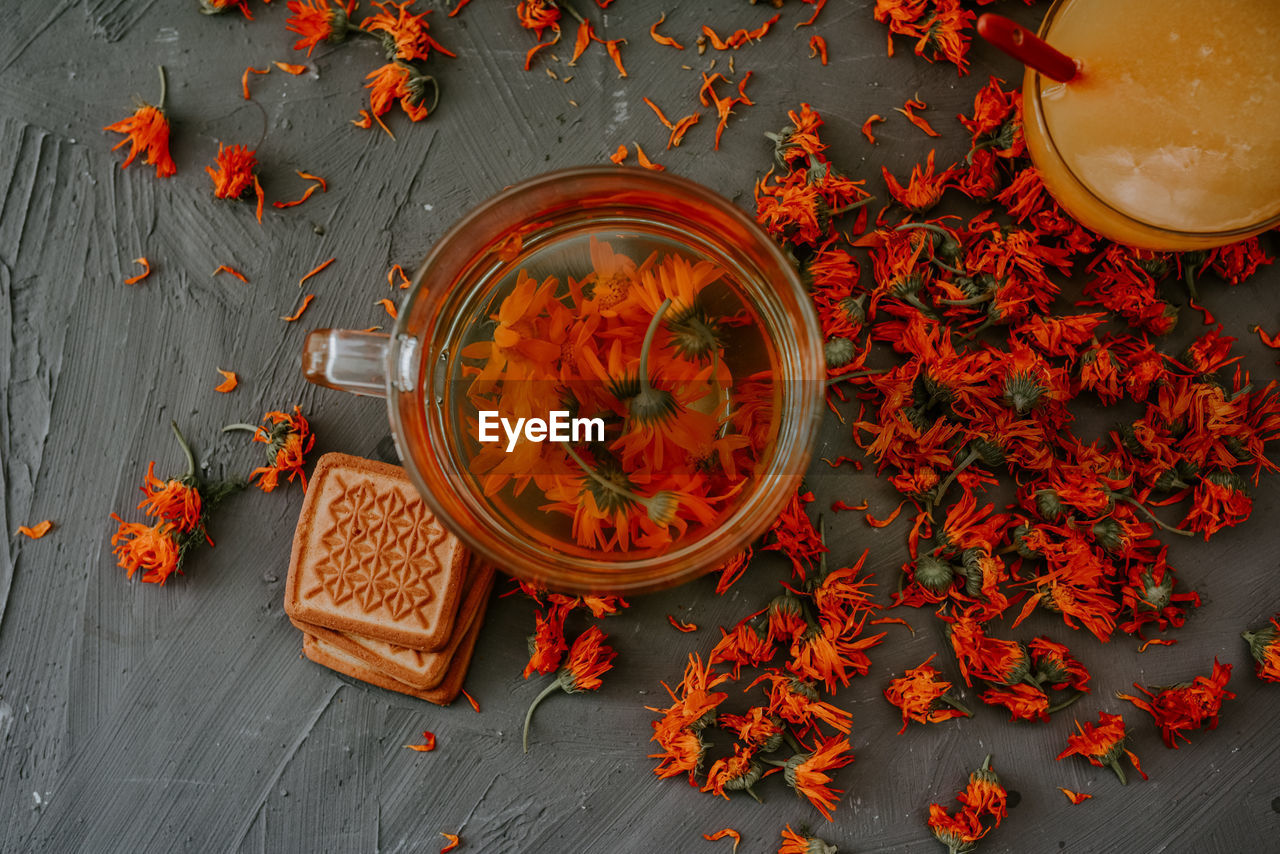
(1169, 135)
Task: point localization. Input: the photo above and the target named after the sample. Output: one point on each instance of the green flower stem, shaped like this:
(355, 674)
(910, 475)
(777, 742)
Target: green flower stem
(957, 705)
(164, 88)
(648, 344)
(852, 206)
(1145, 512)
(1067, 702)
(186, 449)
(946, 484)
(528, 716)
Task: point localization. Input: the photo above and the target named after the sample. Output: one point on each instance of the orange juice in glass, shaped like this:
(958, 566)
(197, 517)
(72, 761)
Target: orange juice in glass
(1169, 137)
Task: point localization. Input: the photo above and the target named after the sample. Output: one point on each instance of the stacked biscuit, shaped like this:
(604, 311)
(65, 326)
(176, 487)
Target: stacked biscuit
(381, 591)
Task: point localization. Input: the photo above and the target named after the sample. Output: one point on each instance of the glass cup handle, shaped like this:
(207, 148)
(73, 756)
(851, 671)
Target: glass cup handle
(347, 360)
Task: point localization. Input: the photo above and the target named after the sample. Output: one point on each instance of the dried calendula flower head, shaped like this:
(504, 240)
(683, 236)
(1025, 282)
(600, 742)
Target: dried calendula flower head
(180, 506)
(1187, 706)
(1103, 745)
(147, 132)
(233, 174)
(807, 772)
(985, 796)
(417, 93)
(589, 658)
(1264, 645)
(289, 439)
(801, 842)
(319, 21)
(933, 574)
(918, 694)
(404, 35)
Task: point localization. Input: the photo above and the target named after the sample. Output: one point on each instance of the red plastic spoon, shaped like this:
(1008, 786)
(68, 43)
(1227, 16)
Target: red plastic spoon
(1024, 46)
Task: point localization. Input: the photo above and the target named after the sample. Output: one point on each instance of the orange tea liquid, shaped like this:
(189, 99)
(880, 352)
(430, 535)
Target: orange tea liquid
(1170, 136)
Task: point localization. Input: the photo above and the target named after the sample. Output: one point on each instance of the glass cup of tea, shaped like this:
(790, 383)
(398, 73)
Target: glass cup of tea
(1169, 137)
(603, 380)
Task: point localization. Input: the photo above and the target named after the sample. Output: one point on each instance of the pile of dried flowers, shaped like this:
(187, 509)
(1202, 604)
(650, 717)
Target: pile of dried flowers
(181, 506)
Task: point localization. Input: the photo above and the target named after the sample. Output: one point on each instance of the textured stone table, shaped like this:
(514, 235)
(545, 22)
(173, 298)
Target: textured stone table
(141, 718)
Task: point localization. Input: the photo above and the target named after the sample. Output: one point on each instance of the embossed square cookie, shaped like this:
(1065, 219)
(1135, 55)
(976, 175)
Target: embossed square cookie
(369, 557)
(442, 695)
(416, 669)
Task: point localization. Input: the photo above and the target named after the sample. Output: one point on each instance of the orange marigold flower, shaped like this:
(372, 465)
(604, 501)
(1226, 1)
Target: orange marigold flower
(1220, 500)
(1186, 706)
(807, 773)
(803, 843)
(1055, 664)
(735, 773)
(147, 130)
(547, 644)
(288, 439)
(918, 691)
(175, 501)
(316, 21)
(400, 81)
(1264, 645)
(984, 795)
(233, 174)
(538, 16)
(404, 36)
(1024, 702)
(998, 661)
(923, 191)
(1102, 745)
(589, 658)
(151, 548)
(958, 832)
